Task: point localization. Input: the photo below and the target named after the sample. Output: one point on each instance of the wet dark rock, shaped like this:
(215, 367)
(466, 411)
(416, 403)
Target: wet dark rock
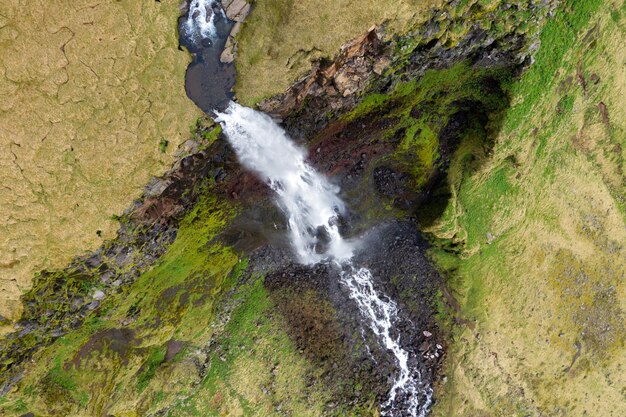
(172, 349)
(337, 338)
(118, 341)
(93, 305)
(390, 183)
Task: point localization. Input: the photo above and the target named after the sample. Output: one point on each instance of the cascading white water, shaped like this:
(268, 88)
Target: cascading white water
(201, 18)
(309, 200)
(312, 205)
(382, 313)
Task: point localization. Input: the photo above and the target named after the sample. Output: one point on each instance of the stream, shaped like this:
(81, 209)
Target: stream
(309, 201)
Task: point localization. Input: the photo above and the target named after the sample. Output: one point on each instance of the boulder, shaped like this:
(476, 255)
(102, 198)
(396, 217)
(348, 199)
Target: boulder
(230, 49)
(236, 10)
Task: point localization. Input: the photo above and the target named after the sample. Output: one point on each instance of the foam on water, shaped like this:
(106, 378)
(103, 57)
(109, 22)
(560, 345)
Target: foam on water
(312, 205)
(201, 18)
(307, 198)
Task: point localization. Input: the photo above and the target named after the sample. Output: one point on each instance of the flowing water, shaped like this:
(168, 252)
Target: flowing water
(201, 18)
(204, 31)
(310, 202)
(312, 206)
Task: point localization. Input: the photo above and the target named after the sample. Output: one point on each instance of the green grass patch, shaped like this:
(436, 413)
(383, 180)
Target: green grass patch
(150, 366)
(558, 36)
(481, 200)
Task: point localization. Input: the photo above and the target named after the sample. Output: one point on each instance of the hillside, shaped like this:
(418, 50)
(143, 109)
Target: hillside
(80, 80)
(479, 146)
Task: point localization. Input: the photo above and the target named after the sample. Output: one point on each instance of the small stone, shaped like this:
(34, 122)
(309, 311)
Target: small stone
(93, 305)
(427, 333)
(76, 304)
(98, 295)
(106, 277)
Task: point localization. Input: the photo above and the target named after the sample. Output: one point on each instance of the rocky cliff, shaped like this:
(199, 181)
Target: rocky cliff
(484, 143)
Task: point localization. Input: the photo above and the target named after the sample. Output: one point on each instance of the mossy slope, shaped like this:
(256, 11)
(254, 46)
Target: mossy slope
(196, 335)
(118, 360)
(532, 235)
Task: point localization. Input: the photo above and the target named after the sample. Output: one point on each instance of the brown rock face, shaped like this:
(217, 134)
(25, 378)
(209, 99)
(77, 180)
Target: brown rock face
(345, 76)
(230, 50)
(236, 10)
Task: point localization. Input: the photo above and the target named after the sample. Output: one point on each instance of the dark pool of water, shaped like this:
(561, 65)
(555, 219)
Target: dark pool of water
(208, 81)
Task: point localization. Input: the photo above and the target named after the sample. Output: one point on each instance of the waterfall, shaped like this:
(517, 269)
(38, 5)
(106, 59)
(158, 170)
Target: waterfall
(312, 206)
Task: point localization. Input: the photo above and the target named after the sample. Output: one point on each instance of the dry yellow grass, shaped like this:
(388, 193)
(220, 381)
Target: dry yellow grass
(281, 37)
(88, 91)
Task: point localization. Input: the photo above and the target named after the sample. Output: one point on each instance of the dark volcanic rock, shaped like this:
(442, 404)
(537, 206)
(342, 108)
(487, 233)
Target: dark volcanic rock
(327, 325)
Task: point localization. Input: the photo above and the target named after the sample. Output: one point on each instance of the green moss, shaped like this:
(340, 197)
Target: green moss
(482, 200)
(419, 110)
(210, 136)
(175, 299)
(151, 364)
(163, 144)
(557, 37)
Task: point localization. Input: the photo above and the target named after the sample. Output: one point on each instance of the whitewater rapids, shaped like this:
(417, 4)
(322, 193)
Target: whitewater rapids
(201, 18)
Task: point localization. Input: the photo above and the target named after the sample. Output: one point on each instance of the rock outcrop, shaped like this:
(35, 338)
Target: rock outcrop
(236, 10)
(376, 62)
(347, 75)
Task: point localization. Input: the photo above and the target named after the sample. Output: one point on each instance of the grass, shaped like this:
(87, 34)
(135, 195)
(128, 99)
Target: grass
(120, 355)
(281, 37)
(538, 296)
(254, 367)
(150, 366)
(558, 37)
(530, 236)
(86, 100)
